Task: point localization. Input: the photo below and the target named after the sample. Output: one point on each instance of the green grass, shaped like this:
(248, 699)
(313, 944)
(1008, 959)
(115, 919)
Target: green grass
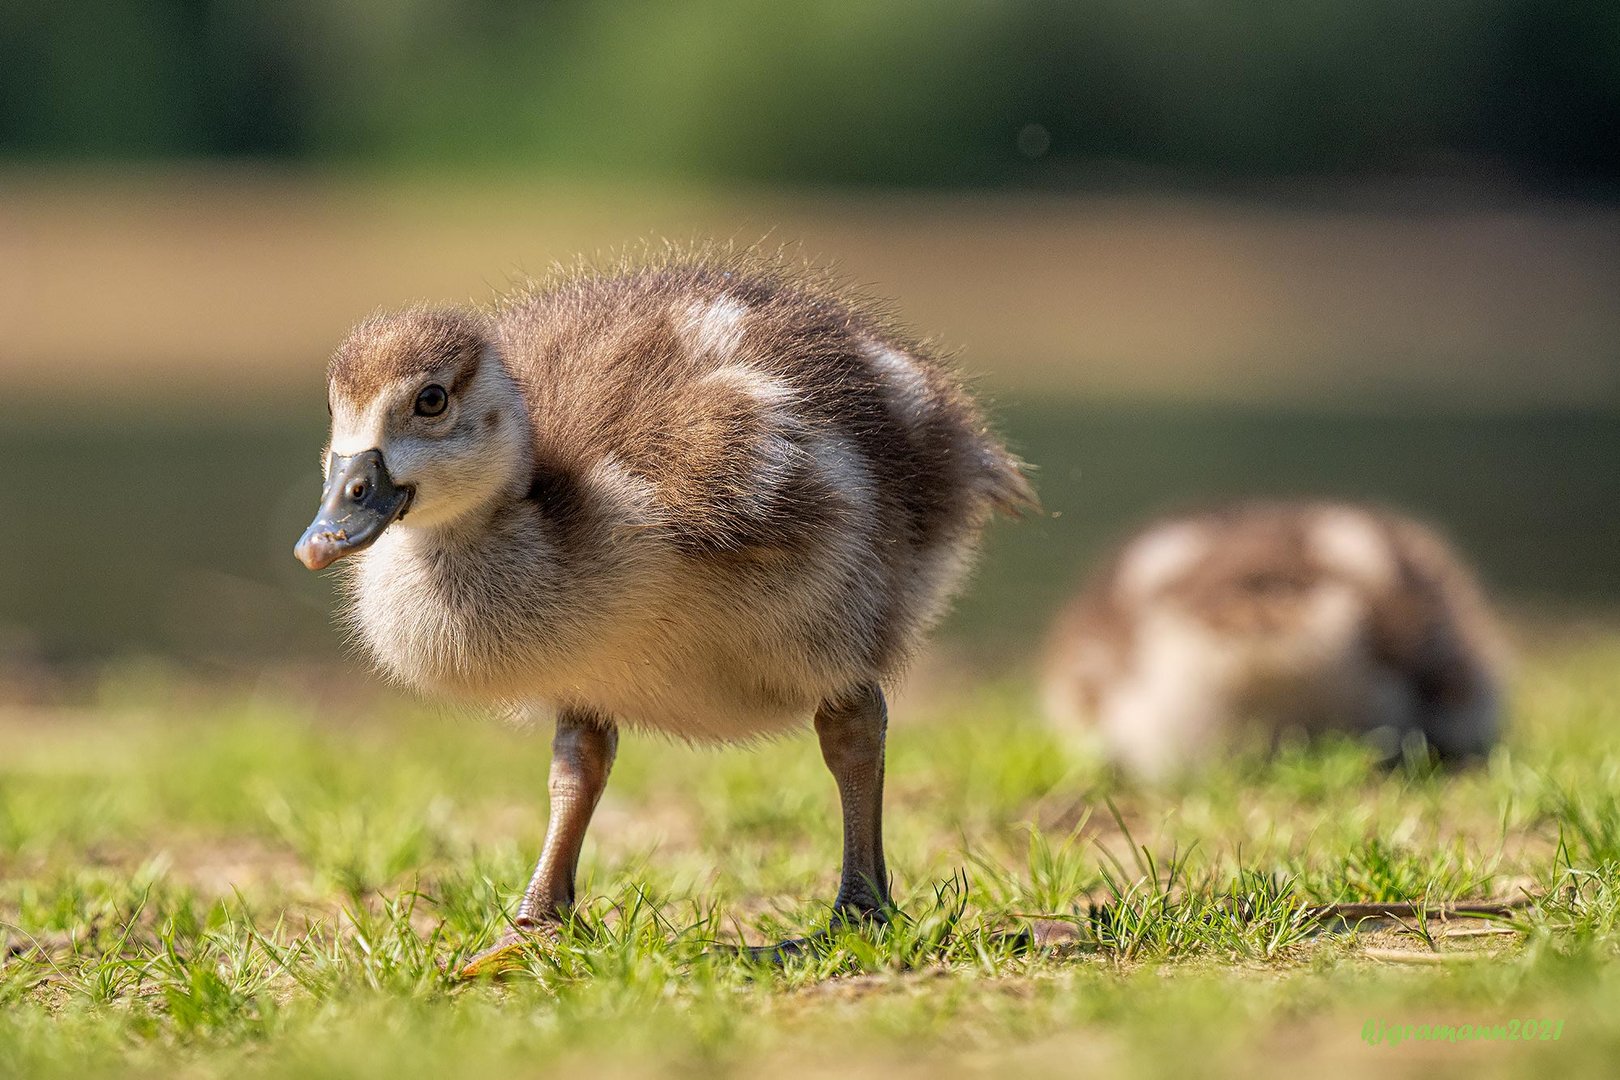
(205, 884)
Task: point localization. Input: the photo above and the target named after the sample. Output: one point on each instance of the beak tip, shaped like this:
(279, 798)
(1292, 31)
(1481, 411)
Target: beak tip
(314, 554)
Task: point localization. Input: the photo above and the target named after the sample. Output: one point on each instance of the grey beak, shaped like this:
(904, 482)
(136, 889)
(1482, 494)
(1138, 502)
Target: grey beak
(359, 502)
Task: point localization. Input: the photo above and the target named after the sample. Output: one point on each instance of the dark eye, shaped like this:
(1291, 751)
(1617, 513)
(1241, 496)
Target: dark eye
(432, 400)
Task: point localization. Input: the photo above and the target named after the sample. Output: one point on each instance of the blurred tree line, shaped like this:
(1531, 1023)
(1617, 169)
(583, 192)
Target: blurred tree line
(915, 92)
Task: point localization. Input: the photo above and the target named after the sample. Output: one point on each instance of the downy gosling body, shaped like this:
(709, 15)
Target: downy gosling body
(709, 497)
(1251, 621)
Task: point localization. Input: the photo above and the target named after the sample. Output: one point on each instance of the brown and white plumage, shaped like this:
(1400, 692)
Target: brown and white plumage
(725, 495)
(1252, 620)
(709, 497)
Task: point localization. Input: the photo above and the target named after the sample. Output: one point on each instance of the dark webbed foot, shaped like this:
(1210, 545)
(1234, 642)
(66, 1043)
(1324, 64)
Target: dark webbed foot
(782, 951)
(851, 919)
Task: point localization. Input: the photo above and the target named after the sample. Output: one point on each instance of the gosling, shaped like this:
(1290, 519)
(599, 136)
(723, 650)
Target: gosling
(708, 497)
(1255, 620)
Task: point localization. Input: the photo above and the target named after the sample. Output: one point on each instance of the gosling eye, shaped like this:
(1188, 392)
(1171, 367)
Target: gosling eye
(432, 400)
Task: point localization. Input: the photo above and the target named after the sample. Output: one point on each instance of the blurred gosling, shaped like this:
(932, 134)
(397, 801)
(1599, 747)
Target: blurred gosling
(1208, 631)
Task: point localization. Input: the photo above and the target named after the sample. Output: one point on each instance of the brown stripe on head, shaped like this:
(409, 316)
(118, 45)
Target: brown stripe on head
(443, 342)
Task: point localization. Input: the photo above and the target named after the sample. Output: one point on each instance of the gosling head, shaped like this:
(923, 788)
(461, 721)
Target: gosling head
(426, 420)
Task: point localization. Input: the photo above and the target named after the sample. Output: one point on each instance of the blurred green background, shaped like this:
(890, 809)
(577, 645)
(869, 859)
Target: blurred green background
(1188, 250)
(920, 92)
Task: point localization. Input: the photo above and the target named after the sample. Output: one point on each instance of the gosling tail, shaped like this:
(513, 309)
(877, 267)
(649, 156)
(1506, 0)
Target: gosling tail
(1004, 483)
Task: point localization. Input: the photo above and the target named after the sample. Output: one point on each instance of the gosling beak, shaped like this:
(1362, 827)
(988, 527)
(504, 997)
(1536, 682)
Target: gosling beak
(359, 502)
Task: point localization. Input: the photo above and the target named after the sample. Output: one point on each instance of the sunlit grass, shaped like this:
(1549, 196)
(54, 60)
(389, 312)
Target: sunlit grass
(208, 884)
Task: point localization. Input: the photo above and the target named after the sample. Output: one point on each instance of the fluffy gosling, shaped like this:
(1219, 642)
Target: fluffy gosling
(709, 497)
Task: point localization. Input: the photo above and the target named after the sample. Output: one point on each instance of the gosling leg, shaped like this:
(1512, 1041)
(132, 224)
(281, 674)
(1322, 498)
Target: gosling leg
(582, 753)
(852, 731)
